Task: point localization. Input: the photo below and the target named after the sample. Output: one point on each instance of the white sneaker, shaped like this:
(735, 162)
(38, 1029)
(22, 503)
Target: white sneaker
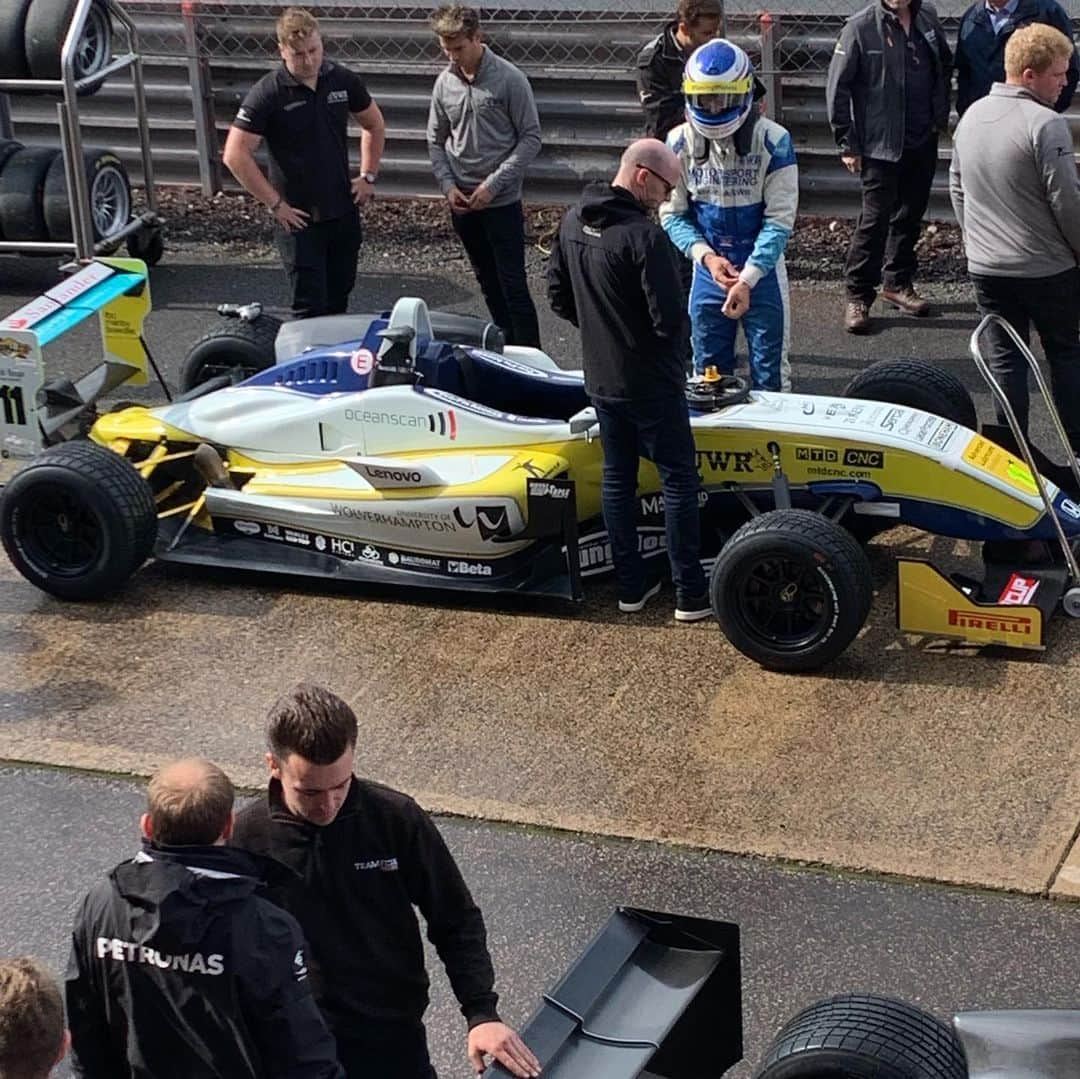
(632, 606)
(693, 610)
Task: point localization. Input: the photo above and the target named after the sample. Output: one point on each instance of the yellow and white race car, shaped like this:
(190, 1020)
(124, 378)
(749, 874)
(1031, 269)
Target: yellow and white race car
(399, 457)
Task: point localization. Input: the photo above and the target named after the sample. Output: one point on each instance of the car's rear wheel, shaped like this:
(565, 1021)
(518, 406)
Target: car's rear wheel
(915, 384)
(864, 1037)
(239, 350)
(78, 521)
(791, 589)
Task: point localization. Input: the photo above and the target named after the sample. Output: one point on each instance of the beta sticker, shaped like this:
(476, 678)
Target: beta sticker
(362, 361)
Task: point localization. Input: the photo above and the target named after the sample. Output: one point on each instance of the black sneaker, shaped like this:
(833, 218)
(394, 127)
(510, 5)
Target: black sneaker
(692, 608)
(632, 606)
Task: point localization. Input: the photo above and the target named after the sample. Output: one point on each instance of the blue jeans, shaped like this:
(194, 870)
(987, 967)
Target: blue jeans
(659, 430)
(766, 324)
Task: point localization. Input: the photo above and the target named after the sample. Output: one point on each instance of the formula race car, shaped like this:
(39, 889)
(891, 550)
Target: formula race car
(413, 448)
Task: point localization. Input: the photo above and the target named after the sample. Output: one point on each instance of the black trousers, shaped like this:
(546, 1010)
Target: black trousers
(494, 240)
(1052, 304)
(894, 199)
(320, 260)
(384, 1049)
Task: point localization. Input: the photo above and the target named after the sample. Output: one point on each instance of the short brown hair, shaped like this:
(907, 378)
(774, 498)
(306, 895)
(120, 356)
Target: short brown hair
(189, 803)
(311, 722)
(453, 20)
(295, 23)
(1035, 46)
(31, 1020)
(690, 11)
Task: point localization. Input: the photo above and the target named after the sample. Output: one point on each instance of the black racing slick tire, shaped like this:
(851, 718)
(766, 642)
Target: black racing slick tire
(12, 39)
(239, 349)
(864, 1037)
(915, 384)
(47, 23)
(791, 590)
(110, 196)
(78, 521)
(22, 187)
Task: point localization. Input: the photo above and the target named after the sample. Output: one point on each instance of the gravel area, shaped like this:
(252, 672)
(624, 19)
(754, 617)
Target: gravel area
(422, 226)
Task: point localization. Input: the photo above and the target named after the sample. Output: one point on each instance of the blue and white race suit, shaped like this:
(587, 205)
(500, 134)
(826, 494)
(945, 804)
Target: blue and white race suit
(741, 206)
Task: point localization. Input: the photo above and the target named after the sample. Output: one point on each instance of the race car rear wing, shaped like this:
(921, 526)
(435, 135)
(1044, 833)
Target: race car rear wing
(33, 413)
(652, 994)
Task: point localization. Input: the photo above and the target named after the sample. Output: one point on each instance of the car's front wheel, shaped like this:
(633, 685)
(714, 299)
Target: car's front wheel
(791, 589)
(78, 521)
(864, 1037)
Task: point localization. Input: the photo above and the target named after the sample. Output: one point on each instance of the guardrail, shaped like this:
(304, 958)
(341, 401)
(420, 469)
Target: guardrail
(199, 61)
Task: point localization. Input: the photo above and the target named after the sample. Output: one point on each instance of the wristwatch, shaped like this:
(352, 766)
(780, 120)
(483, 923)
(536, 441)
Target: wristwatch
(368, 176)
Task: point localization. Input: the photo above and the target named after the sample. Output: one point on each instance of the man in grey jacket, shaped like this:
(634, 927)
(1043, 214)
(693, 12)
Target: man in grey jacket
(1016, 194)
(888, 99)
(483, 131)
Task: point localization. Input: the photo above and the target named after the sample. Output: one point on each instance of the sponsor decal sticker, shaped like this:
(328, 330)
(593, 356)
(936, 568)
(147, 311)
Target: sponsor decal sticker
(1018, 591)
(492, 522)
(815, 453)
(249, 528)
(994, 623)
(320, 543)
(418, 520)
(548, 490)
(398, 475)
(732, 460)
(12, 349)
(362, 361)
(864, 458)
(370, 554)
(1069, 508)
(470, 569)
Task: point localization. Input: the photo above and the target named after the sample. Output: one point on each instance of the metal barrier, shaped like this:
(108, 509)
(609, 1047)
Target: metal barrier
(201, 56)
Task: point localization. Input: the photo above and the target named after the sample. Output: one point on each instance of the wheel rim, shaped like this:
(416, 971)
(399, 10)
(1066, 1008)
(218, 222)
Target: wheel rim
(110, 202)
(60, 534)
(95, 44)
(784, 602)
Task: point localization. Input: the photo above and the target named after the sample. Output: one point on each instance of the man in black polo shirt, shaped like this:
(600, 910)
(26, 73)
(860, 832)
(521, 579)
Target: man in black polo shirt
(302, 110)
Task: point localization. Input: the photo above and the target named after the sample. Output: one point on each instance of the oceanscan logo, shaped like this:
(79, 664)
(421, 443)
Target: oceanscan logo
(249, 528)
(127, 951)
(469, 569)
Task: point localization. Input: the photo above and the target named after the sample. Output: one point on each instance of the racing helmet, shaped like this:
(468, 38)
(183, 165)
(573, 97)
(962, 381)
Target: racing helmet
(718, 84)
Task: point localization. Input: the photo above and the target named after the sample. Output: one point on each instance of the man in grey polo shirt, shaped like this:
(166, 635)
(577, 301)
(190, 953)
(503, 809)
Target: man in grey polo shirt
(1016, 194)
(483, 131)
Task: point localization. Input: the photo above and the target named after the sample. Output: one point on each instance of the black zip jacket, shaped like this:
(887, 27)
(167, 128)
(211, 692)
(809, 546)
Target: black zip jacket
(980, 53)
(660, 67)
(178, 970)
(864, 94)
(613, 273)
(358, 879)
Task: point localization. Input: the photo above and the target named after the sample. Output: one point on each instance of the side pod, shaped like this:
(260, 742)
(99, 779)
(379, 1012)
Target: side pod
(652, 993)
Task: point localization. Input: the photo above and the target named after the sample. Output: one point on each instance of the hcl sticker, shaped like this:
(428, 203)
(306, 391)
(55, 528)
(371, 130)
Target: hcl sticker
(362, 361)
(1019, 591)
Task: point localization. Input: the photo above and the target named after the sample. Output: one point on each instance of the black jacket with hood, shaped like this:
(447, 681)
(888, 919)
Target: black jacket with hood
(614, 274)
(865, 92)
(357, 881)
(179, 970)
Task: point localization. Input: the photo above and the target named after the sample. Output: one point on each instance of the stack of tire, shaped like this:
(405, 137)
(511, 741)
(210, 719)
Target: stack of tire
(34, 197)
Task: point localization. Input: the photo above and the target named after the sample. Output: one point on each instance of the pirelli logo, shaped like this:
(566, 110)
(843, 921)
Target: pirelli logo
(1019, 624)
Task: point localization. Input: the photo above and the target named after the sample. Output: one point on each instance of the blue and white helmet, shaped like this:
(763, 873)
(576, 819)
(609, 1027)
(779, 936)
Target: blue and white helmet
(718, 84)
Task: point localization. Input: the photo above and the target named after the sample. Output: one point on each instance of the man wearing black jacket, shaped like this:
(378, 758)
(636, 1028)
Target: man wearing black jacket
(888, 100)
(178, 969)
(364, 856)
(613, 274)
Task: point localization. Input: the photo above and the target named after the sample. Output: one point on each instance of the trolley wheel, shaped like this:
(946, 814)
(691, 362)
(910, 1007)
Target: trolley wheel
(1070, 602)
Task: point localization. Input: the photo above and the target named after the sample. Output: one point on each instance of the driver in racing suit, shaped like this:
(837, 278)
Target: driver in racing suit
(732, 213)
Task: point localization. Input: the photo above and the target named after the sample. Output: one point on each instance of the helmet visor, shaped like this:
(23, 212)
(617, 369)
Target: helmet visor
(716, 104)
(717, 96)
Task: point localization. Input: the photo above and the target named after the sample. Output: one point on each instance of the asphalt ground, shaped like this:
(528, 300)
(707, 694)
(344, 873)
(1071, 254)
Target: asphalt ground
(805, 935)
(906, 756)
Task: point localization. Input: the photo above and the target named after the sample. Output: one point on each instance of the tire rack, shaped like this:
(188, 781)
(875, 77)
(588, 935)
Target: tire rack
(67, 110)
